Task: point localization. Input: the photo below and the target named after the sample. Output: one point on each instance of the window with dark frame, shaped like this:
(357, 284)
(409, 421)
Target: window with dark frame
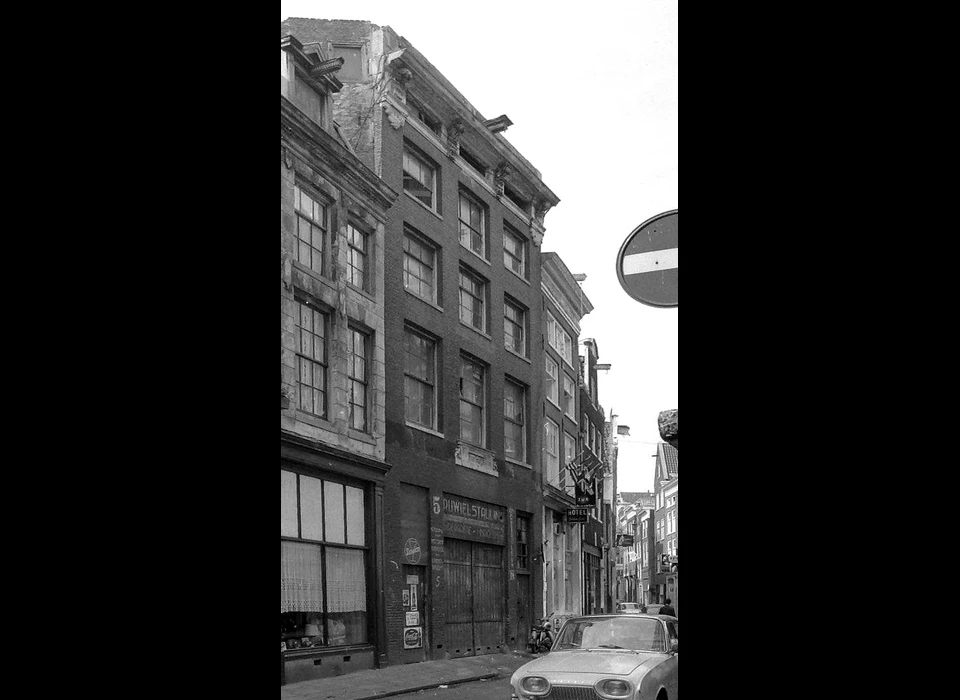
(514, 421)
(420, 179)
(358, 350)
(420, 379)
(473, 400)
(311, 230)
(311, 360)
(515, 253)
(420, 267)
(323, 553)
(514, 327)
(473, 219)
(473, 300)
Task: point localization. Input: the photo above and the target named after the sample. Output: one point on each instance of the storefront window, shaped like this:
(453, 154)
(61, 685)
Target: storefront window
(323, 590)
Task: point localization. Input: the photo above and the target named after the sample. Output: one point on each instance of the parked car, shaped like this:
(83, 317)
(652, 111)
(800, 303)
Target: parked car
(654, 608)
(628, 657)
(628, 608)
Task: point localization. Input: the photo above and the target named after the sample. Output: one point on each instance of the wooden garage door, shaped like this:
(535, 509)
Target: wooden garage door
(475, 598)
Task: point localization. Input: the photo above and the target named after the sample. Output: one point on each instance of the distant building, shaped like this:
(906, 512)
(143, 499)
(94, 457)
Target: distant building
(634, 510)
(667, 525)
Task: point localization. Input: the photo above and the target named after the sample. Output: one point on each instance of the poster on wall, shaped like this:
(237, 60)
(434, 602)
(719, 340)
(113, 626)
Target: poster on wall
(406, 598)
(413, 638)
(413, 619)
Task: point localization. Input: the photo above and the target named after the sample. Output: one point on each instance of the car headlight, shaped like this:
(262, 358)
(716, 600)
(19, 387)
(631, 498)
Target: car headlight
(535, 685)
(611, 688)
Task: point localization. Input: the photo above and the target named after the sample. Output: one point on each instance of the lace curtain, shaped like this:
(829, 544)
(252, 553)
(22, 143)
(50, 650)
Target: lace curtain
(301, 578)
(346, 581)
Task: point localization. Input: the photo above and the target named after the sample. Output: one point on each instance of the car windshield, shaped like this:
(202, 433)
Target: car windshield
(630, 633)
(629, 606)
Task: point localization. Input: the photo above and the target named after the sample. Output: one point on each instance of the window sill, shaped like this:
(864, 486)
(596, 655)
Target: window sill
(519, 277)
(428, 302)
(362, 292)
(422, 429)
(422, 205)
(475, 330)
(518, 464)
(518, 355)
(315, 421)
(475, 254)
(362, 437)
(300, 267)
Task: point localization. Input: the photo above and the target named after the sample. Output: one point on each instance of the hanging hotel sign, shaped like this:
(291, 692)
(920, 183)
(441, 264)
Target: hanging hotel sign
(578, 515)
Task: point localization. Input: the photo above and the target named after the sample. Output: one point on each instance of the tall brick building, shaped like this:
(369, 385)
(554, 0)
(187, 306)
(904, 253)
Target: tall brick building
(463, 377)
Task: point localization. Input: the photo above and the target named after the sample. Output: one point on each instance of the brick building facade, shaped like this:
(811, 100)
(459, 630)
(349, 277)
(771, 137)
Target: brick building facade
(462, 496)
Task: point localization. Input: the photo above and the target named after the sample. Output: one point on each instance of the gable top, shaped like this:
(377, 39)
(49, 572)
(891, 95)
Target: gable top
(668, 461)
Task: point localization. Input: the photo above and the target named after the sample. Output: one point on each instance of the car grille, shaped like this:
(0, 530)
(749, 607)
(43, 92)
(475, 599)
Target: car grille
(572, 693)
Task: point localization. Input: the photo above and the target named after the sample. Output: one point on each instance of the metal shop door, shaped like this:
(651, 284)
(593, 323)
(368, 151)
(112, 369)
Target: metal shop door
(475, 598)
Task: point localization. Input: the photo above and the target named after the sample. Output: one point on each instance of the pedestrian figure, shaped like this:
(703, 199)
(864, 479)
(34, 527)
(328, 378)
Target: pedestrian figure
(667, 609)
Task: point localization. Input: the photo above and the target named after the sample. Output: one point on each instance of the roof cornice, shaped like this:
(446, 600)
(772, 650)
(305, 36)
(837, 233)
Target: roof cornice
(416, 62)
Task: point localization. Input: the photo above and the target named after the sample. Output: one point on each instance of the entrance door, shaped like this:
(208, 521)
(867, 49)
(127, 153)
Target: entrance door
(524, 619)
(475, 598)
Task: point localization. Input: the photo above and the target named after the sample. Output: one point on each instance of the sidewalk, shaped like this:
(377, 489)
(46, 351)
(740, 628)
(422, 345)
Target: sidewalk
(409, 678)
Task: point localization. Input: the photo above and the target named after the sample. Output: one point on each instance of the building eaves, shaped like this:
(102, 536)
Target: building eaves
(418, 63)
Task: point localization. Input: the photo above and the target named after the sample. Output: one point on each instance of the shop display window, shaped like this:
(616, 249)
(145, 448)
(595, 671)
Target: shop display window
(323, 589)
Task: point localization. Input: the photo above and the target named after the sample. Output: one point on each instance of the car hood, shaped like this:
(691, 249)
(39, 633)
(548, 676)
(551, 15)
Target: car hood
(604, 661)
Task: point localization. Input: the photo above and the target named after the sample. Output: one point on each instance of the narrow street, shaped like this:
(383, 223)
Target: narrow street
(493, 689)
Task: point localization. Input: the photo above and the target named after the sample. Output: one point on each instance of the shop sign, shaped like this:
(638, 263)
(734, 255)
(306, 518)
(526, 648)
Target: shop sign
(578, 515)
(467, 519)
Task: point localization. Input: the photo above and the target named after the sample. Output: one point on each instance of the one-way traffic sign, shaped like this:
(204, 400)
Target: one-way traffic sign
(648, 265)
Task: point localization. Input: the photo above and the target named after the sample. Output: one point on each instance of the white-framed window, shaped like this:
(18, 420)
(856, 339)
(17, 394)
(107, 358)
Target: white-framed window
(473, 224)
(559, 339)
(569, 396)
(420, 378)
(358, 352)
(552, 380)
(357, 273)
(420, 263)
(514, 421)
(312, 361)
(515, 252)
(473, 401)
(473, 300)
(420, 179)
(660, 530)
(311, 231)
(514, 327)
(551, 446)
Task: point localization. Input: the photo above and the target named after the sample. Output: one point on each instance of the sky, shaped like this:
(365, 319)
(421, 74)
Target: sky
(594, 100)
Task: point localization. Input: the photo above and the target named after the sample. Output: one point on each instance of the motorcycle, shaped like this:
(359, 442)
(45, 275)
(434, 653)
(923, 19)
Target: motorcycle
(541, 638)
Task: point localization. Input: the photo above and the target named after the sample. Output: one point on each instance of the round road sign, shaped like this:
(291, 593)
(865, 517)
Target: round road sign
(649, 261)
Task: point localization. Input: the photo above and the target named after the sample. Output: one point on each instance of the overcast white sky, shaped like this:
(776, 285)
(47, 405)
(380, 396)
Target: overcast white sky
(593, 96)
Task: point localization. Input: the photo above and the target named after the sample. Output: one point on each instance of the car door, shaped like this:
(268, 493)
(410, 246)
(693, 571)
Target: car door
(673, 674)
